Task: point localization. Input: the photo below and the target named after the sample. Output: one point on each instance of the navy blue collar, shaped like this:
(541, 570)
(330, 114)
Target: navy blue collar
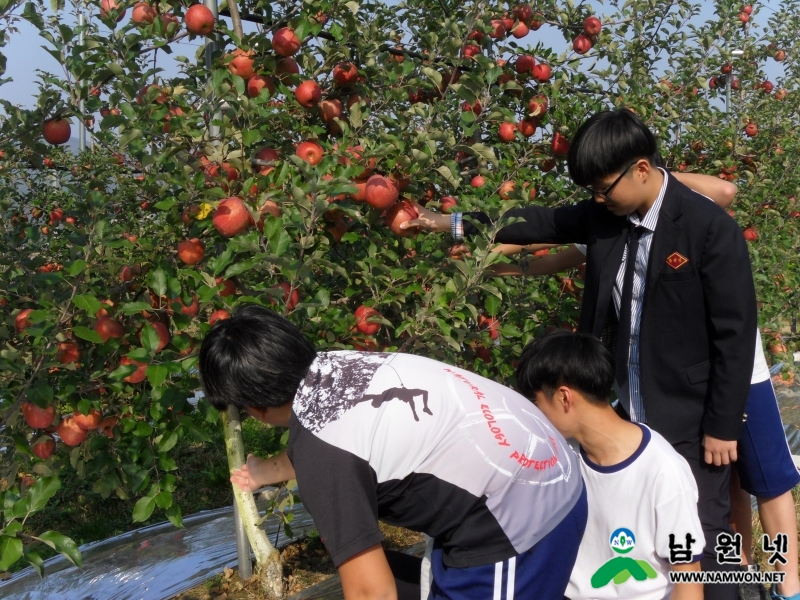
(625, 463)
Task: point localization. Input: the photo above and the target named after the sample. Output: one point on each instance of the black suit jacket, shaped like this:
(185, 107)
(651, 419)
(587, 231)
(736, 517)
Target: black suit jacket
(697, 333)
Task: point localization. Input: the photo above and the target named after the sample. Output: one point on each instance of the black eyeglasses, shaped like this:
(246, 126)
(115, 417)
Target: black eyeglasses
(604, 193)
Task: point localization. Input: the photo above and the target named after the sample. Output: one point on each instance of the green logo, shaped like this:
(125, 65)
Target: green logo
(621, 568)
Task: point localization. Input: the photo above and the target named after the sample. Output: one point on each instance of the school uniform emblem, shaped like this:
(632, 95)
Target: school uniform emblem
(676, 260)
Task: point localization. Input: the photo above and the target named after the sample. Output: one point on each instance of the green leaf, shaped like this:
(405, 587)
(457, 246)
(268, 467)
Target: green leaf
(158, 282)
(150, 338)
(163, 499)
(88, 303)
(64, 545)
(128, 136)
(168, 441)
(174, 515)
(156, 374)
(143, 509)
(84, 333)
(35, 561)
(165, 204)
(76, 268)
(143, 429)
(484, 151)
(130, 308)
(41, 491)
(492, 305)
(10, 551)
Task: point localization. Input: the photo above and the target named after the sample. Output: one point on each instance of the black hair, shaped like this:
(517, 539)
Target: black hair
(607, 143)
(257, 358)
(575, 360)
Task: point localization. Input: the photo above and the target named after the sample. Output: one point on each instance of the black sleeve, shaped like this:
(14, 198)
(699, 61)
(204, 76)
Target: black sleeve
(731, 303)
(339, 489)
(566, 224)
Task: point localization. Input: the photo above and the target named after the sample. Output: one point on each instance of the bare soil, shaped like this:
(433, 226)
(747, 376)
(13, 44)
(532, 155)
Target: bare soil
(305, 563)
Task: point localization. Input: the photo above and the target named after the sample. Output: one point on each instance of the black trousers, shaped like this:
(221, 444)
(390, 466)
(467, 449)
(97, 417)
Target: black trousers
(714, 509)
(406, 570)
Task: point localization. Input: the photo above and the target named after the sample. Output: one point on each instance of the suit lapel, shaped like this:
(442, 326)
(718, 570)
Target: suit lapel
(665, 236)
(611, 250)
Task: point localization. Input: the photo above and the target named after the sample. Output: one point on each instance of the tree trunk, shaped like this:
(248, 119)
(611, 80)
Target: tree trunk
(268, 561)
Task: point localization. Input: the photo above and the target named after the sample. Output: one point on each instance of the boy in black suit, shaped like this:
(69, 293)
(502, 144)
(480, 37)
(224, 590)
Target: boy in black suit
(679, 318)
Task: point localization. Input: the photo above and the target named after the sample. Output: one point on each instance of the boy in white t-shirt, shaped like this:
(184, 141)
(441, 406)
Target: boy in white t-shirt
(643, 520)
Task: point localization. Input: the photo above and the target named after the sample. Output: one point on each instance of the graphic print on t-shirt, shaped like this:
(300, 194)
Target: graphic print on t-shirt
(336, 384)
(400, 393)
(621, 568)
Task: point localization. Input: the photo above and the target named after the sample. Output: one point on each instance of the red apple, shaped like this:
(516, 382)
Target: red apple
(139, 374)
(490, 323)
(345, 73)
(592, 26)
(38, 418)
(525, 64)
(560, 144)
(70, 433)
(767, 87)
(582, 44)
(498, 30)
(330, 109)
(363, 314)
(285, 42)
(751, 130)
(780, 55)
(478, 181)
(68, 352)
(218, 315)
(308, 93)
(475, 108)
(143, 14)
(400, 213)
(470, 50)
(287, 66)
(744, 17)
(107, 426)
(107, 6)
(44, 448)
(228, 287)
(290, 296)
(242, 63)
(21, 321)
(108, 328)
(747, 9)
(537, 106)
(267, 154)
(87, 422)
(751, 234)
(163, 334)
(231, 217)
(527, 127)
(199, 20)
(309, 151)
(56, 131)
(507, 131)
(381, 192)
(257, 83)
(448, 203)
(506, 189)
(520, 30)
(361, 187)
(190, 252)
(541, 73)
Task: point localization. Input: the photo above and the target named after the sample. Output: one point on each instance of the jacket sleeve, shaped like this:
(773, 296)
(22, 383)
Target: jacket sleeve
(567, 224)
(731, 307)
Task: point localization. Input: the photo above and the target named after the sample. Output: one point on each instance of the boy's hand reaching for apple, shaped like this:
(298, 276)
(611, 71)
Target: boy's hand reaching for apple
(427, 220)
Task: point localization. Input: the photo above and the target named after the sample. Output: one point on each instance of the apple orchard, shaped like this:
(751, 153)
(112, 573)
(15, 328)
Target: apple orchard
(279, 175)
